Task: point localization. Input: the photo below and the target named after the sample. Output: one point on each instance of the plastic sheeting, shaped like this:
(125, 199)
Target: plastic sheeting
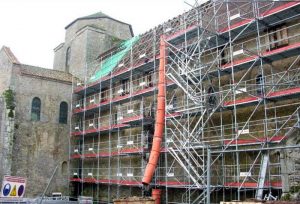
(111, 62)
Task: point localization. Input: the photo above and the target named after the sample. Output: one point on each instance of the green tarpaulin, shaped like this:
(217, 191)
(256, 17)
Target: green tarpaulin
(111, 62)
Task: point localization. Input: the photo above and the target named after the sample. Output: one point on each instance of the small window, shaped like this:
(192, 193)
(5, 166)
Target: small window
(36, 109)
(63, 113)
(259, 84)
(174, 102)
(68, 57)
(148, 79)
(125, 86)
(222, 56)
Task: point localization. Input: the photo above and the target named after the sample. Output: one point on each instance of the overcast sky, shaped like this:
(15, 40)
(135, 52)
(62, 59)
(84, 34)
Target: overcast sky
(33, 28)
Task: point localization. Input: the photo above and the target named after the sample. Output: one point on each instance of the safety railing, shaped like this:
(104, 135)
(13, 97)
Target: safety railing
(213, 59)
(109, 175)
(78, 104)
(172, 176)
(136, 110)
(126, 114)
(175, 176)
(254, 132)
(265, 6)
(134, 87)
(252, 89)
(256, 87)
(218, 16)
(236, 13)
(77, 84)
(77, 126)
(124, 144)
(250, 133)
(248, 172)
(253, 174)
(285, 80)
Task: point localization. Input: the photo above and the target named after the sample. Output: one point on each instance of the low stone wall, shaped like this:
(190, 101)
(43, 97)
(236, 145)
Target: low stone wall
(242, 202)
(135, 200)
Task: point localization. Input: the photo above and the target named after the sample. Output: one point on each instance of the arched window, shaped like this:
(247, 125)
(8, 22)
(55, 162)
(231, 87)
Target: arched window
(64, 168)
(63, 113)
(68, 57)
(259, 84)
(36, 109)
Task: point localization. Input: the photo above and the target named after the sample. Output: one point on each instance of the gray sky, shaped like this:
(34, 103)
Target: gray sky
(33, 28)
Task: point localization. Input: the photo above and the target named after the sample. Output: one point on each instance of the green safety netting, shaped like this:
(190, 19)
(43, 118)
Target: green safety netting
(111, 62)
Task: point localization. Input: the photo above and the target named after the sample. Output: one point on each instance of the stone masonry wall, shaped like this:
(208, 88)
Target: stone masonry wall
(40, 145)
(2, 122)
(6, 140)
(60, 57)
(5, 71)
(6, 124)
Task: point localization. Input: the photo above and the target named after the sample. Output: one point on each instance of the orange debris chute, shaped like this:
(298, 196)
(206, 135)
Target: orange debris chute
(160, 117)
(156, 195)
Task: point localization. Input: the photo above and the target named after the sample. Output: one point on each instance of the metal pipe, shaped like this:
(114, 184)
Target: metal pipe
(259, 149)
(52, 176)
(208, 176)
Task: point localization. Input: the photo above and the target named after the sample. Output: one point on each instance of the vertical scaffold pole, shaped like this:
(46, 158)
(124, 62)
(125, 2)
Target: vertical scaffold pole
(208, 176)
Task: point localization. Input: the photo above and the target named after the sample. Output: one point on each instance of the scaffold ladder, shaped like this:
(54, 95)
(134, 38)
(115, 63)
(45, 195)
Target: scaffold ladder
(191, 93)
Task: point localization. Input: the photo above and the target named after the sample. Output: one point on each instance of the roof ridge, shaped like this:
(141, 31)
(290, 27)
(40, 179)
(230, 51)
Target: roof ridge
(48, 69)
(96, 15)
(41, 72)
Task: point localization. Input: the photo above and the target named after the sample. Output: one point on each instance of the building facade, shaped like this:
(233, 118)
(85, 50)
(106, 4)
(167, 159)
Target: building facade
(231, 130)
(35, 104)
(34, 124)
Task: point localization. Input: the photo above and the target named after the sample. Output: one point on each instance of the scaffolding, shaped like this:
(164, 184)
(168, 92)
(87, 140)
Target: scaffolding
(232, 106)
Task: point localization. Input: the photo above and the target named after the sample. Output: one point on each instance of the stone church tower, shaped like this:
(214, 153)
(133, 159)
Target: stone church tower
(35, 103)
(85, 39)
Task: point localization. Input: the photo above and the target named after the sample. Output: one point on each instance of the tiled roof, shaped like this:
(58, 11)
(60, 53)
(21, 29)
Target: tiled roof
(96, 16)
(46, 73)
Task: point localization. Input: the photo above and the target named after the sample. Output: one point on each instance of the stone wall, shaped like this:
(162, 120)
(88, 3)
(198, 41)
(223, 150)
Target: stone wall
(6, 140)
(291, 164)
(40, 145)
(60, 57)
(2, 122)
(5, 71)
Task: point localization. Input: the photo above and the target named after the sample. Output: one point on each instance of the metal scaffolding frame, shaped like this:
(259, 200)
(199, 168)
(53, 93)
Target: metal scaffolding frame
(230, 107)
